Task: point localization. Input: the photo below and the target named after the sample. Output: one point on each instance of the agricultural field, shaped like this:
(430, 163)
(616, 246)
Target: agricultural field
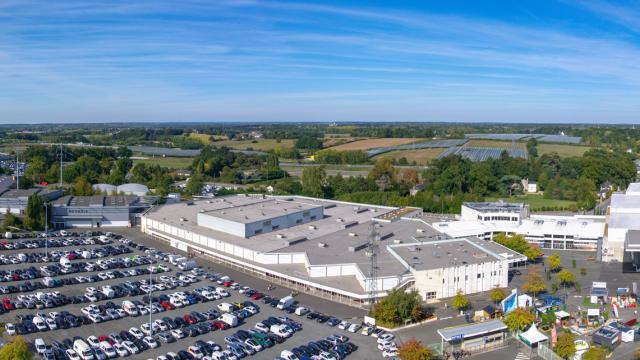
(258, 144)
(563, 150)
(204, 138)
(494, 144)
(421, 156)
(375, 143)
(169, 162)
(537, 202)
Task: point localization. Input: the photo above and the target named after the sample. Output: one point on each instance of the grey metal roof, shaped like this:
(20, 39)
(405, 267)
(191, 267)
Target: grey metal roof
(472, 330)
(495, 206)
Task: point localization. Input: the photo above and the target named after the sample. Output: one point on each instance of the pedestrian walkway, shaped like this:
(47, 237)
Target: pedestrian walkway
(521, 356)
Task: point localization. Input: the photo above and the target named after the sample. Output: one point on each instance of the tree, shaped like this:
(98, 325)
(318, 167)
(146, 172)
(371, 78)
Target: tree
(596, 353)
(10, 221)
(397, 307)
(534, 283)
(519, 244)
(17, 349)
(313, 181)
(81, 187)
(519, 319)
(554, 262)
(565, 347)
(497, 294)
(195, 184)
(459, 301)
(33, 217)
(566, 277)
(413, 349)
(383, 168)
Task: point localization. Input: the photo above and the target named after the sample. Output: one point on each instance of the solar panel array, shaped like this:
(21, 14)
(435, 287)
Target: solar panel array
(417, 146)
(523, 137)
(482, 153)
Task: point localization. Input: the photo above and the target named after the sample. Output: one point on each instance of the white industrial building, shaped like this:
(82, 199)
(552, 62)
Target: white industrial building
(484, 220)
(621, 241)
(124, 189)
(322, 246)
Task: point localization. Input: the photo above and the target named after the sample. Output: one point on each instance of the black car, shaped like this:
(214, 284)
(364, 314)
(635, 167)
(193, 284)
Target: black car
(322, 318)
(312, 315)
(183, 355)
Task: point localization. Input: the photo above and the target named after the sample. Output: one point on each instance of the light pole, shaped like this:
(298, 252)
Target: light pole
(46, 230)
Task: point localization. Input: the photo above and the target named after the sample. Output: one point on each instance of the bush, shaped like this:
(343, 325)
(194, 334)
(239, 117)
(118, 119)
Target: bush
(397, 307)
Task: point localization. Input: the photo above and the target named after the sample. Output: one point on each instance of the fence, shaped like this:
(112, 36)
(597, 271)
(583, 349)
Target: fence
(546, 353)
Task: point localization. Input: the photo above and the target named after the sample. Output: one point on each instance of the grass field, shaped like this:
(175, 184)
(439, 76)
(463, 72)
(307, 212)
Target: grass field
(170, 162)
(537, 202)
(563, 150)
(421, 157)
(204, 138)
(494, 144)
(259, 144)
(374, 143)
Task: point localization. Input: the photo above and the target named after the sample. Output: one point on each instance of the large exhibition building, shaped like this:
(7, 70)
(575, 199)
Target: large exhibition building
(329, 247)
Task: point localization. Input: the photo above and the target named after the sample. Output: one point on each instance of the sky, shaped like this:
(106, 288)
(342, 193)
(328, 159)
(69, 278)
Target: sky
(89, 61)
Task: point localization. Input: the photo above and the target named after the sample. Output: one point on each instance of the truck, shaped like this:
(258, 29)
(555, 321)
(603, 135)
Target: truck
(230, 319)
(83, 350)
(8, 235)
(285, 302)
(130, 308)
(187, 265)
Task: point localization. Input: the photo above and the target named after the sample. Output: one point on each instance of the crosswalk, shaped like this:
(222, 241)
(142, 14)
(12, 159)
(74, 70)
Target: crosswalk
(521, 356)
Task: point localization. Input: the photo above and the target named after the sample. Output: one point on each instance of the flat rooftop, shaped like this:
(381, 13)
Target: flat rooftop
(624, 201)
(453, 252)
(260, 210)
(171, 214)
(18, 193)
(95, 201)
(496, 206)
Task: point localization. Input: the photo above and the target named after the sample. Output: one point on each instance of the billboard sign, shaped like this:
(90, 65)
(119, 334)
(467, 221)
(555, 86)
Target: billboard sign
(509, 303)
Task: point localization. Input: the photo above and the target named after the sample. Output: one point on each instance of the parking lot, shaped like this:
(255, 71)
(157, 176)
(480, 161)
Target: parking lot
(311, 329)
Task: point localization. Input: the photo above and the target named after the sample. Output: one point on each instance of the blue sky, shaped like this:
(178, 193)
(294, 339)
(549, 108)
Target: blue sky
(252, 60)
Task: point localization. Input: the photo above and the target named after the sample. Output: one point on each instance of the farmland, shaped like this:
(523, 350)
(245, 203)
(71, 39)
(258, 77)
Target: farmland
(169, 162)
(421, 157)
(494, 144)
(562, 150)
(374, 143)
(258, 144)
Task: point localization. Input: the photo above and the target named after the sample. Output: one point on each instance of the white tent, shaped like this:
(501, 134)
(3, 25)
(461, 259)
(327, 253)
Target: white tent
(533, 336)
(525, 301)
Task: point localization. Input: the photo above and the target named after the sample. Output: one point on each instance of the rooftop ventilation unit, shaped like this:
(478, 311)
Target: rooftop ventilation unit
(329, 206)
(349, 224)
(280, 236)
(340, 220)
(183, 219)
(322, 245)
(421, 230)
(312, 227)
(358, 247)
(352, 234)
(397, 241)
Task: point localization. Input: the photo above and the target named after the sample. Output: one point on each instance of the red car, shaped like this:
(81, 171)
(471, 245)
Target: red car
(190, 319)
(6, 303)
(220, 324)
(257, 296)
(167, 305)
(227, 283)
(71, 256)
(102, 338)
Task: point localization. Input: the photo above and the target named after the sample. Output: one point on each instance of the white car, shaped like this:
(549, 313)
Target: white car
(344, 325)
(136, 333)
(354, 328)
(40, 324)
(72, 355)
(121, 350)
(10, 329)
(327, 356)
(150, 342)
(253, 344)
(93, 342)
(131, 347)
(146, 329)
(108, 349)
(51, 324)
(386, 345)
(195, 352)
(390, 353)
(251, 309)
(385, 338)
(178, 334)
(262, 327)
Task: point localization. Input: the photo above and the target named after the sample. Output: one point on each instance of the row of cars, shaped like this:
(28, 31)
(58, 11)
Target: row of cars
(52, 242)
(55, 256)
(138, 339)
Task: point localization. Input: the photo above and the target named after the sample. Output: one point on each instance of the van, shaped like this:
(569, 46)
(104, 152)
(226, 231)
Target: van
(130, 308)
(40, 346)
(63, 233)
(285, 302)
(83, 350)
(225, 307)
(187, 265)
(230, 319)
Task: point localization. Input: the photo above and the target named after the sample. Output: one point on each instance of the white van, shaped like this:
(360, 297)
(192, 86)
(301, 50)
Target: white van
(40, 346)
(83, 350)
(225, 307)
(130, 308)
(285, 302)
